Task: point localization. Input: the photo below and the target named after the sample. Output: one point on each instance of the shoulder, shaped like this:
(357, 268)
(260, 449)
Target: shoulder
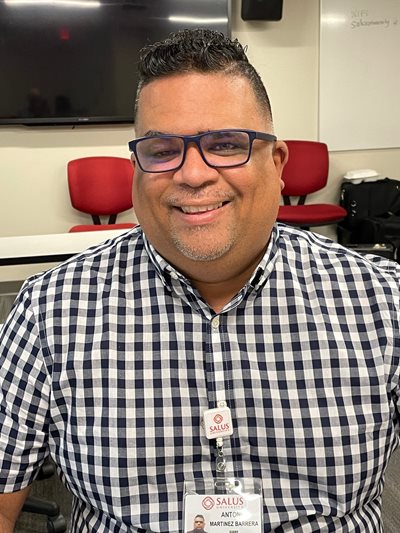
(317, 266)
(307, 250)
(98, 261)
(103, 273)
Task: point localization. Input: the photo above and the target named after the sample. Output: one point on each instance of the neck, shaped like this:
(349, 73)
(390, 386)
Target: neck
(220, 290)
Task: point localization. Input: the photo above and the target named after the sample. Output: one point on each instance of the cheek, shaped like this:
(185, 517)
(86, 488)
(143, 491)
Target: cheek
(144, 189)
(148, 192)
(263, 185)
(142, 197)
(265, 195)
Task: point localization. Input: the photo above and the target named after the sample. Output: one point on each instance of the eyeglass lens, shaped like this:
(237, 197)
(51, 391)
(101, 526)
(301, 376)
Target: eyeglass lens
(220, 149)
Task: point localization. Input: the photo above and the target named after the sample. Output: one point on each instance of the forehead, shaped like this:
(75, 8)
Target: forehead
(193, 102)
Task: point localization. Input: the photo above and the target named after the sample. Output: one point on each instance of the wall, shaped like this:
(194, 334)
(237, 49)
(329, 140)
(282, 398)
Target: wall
(352, 31)
(33, 188)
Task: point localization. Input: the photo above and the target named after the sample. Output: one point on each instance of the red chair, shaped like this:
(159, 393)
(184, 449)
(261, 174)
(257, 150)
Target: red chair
(101, 186)
(306, 172)
(101, 227)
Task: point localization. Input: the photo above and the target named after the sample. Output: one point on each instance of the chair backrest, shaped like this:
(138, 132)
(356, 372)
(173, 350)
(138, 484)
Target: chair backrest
(307, 168)
(100, 185)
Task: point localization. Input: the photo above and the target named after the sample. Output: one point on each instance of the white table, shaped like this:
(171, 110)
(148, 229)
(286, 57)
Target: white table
(52, 248)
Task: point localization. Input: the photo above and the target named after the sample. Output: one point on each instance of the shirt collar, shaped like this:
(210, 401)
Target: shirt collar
(166, 272)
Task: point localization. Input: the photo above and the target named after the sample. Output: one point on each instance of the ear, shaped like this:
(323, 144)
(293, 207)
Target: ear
(280, 156)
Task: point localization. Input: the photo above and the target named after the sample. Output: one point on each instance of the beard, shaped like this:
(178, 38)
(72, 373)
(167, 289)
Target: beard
(201, 250)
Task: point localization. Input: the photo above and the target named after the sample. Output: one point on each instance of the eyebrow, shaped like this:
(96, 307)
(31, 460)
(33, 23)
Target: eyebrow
(154, 133)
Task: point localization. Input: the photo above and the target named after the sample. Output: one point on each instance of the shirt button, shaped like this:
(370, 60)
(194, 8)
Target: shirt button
(174, 275)
(215, 322)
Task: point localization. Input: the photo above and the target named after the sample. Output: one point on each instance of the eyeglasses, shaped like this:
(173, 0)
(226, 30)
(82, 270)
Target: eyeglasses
(218, 149)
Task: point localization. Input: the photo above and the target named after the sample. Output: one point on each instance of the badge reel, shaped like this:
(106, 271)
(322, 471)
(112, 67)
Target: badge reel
(223, 503)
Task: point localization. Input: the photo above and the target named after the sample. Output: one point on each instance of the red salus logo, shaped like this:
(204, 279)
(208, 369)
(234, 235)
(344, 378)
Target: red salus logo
(208, 503)
(218, 418)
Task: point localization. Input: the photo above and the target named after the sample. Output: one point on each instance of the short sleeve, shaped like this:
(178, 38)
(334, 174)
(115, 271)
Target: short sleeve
(24, 395)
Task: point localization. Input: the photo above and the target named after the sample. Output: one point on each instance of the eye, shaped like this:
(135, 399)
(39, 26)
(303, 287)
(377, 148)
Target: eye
(226, 144)
(160, 149)
(223, 146)
(164, 154)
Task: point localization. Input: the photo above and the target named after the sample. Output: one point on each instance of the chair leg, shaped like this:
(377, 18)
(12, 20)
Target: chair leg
(56, 523)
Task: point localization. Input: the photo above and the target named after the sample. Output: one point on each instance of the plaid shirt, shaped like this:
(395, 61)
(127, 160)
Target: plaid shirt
(108, 362)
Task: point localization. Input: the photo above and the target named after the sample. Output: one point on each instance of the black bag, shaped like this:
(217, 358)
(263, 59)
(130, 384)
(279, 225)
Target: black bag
(369, 199)
(383, 229)
(384, 250)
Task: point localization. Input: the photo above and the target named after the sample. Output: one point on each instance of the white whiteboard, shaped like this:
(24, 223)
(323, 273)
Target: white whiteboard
(359, 93)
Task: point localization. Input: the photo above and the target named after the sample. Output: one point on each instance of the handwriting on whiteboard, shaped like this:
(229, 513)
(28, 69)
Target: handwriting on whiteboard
(360, 18)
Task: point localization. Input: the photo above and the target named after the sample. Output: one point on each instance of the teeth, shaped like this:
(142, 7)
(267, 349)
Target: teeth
(200, 209)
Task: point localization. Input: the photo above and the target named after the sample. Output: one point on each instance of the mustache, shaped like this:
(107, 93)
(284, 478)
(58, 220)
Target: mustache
(211, 196)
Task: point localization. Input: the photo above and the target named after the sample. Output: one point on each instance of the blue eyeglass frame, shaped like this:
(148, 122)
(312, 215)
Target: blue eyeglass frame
(187, 139)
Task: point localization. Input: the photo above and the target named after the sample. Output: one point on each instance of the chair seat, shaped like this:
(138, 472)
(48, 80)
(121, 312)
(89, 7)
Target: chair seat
(311, 214)
(101, 227)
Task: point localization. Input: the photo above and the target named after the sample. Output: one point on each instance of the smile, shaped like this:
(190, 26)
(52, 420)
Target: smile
(200, 208)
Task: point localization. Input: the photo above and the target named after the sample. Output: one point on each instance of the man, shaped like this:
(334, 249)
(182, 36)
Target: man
(111, 361)
(198, 524)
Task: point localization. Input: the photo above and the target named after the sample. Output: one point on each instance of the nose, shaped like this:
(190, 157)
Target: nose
(195, 172)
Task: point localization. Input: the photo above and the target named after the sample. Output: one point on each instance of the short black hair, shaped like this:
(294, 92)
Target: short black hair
(199, 50)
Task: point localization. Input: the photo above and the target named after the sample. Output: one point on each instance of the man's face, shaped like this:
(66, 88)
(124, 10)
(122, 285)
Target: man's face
(198, 523)
(197, 213)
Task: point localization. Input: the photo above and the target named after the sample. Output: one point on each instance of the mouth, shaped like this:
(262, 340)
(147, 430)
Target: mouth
(196, 209)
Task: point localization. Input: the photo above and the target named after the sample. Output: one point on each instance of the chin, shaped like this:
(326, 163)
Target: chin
(202, 253)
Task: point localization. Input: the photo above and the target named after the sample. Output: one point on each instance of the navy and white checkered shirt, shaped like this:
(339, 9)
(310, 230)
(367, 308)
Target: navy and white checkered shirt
(108, 361)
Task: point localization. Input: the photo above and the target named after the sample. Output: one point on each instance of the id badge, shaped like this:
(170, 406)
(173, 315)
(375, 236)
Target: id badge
(229, 505)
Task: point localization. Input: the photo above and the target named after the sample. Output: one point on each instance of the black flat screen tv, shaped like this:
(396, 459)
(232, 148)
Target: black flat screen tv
(74, 61)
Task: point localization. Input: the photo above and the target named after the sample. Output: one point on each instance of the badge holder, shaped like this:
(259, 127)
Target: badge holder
(223, 505)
